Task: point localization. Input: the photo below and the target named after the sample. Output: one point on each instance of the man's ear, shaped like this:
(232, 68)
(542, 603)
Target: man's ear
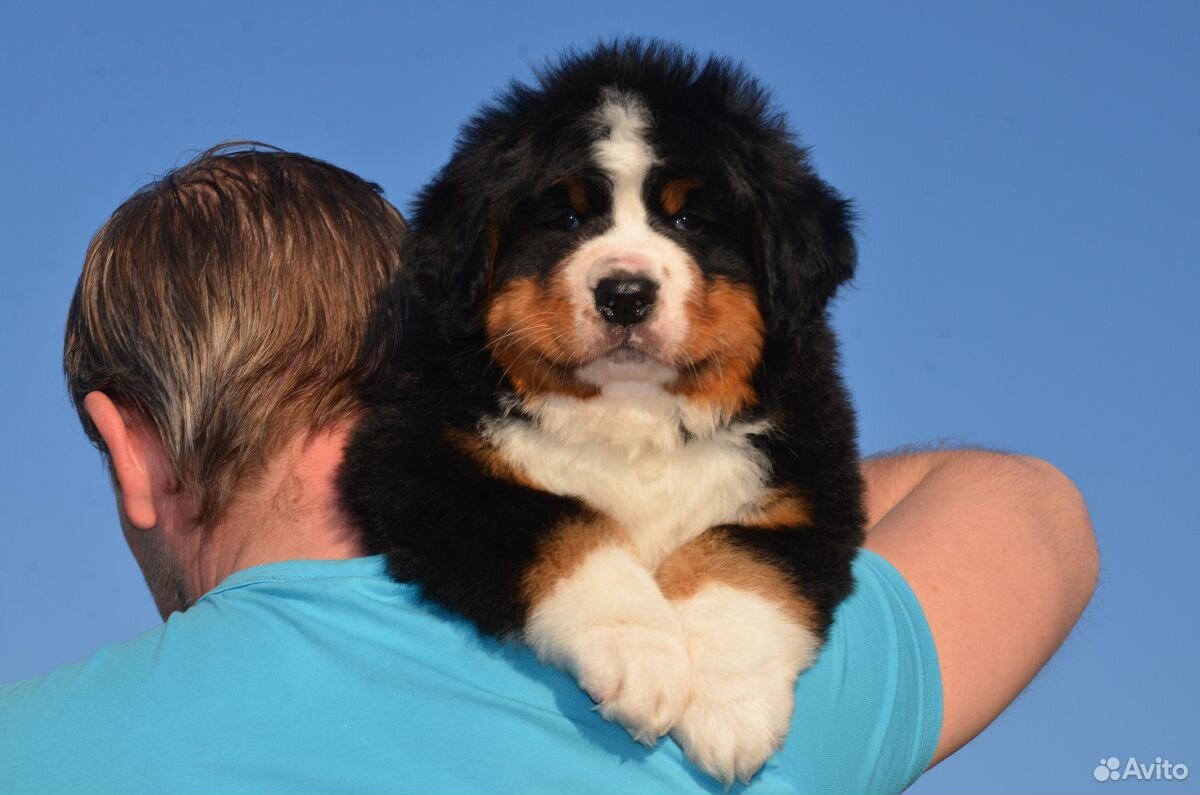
(129, 453)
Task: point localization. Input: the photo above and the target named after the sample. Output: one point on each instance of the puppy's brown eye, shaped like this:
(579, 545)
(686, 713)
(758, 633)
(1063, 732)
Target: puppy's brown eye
(687, 222)
(568, 221)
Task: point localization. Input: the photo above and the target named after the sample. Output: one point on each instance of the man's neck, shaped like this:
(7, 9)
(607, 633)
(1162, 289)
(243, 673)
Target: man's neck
(291, 512)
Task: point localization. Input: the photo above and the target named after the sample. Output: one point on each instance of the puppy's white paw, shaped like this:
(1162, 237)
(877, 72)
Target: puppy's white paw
(610, 626)
(746, 654)
(638, 674)
(729, 730)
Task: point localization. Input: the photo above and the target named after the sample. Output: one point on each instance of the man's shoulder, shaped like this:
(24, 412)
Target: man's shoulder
(80, 712)
(238, 628)
(243, 659)
(282, 681)
(246, 633)
(103, 680)
(309, 677)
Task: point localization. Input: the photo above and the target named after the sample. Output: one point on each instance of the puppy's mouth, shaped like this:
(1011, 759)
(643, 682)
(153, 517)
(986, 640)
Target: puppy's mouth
(630, 353)
(628, 359)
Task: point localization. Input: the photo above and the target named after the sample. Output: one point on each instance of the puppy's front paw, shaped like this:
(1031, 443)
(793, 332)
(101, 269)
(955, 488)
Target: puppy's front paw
(638, 675)
(746, 654)
(610, 626)
(731, 728)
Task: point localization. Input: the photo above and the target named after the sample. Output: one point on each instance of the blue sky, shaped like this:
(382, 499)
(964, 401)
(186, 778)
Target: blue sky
(1028, 178)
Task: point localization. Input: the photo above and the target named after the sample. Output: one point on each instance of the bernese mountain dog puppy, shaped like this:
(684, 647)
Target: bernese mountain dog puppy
(616, 428)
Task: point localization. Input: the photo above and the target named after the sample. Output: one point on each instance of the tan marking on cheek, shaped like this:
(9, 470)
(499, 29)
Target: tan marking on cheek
(564, 550)
(713, 557)
(490, 460)
(674, 194)
(781, 509)
(724, 342)
(576, 193)
(531, 335)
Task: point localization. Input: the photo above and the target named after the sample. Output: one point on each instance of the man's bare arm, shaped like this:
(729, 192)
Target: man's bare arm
(1000, 553)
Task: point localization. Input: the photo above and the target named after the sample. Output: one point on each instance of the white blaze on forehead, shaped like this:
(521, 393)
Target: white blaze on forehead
(624, 155)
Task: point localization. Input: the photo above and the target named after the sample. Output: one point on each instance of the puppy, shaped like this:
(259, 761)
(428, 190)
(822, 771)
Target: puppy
(616, 427)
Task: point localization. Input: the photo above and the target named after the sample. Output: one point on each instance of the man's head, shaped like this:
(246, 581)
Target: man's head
(224, 311)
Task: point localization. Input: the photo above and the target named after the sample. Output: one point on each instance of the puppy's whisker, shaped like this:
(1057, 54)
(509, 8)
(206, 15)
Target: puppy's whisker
(516, 331)
(536, 341)
(554, 361)
(733, 352)
(520, 335)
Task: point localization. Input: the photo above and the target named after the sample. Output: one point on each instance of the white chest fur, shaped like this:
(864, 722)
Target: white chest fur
(624, 455)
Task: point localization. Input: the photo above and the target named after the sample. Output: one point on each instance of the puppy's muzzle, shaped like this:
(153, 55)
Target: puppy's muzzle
(625, 300)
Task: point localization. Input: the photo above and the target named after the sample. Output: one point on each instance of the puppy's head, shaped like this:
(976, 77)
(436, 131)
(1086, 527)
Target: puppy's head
(638, 216)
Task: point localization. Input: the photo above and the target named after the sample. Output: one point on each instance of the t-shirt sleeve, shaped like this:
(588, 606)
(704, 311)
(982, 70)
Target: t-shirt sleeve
(869, 712)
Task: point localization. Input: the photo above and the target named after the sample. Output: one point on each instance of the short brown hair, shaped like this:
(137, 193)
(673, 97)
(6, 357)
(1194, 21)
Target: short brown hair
(233, 303)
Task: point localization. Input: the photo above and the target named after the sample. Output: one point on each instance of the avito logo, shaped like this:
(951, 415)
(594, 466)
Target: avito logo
(1160, 769)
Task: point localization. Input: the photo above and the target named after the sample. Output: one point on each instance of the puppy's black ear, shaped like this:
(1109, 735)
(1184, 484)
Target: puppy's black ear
(805, 240)
(444, 257)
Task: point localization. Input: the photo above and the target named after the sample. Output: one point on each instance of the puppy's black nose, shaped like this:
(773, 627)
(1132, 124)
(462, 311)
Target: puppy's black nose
(625, 301)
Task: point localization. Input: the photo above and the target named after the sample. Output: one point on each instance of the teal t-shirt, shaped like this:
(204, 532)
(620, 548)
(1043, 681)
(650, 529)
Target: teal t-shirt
(327, 677)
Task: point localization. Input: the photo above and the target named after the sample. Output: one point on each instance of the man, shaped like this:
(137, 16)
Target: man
(223, 339)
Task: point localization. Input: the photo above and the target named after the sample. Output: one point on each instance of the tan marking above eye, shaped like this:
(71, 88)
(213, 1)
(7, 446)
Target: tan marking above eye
(576, 193)
(674, 194)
